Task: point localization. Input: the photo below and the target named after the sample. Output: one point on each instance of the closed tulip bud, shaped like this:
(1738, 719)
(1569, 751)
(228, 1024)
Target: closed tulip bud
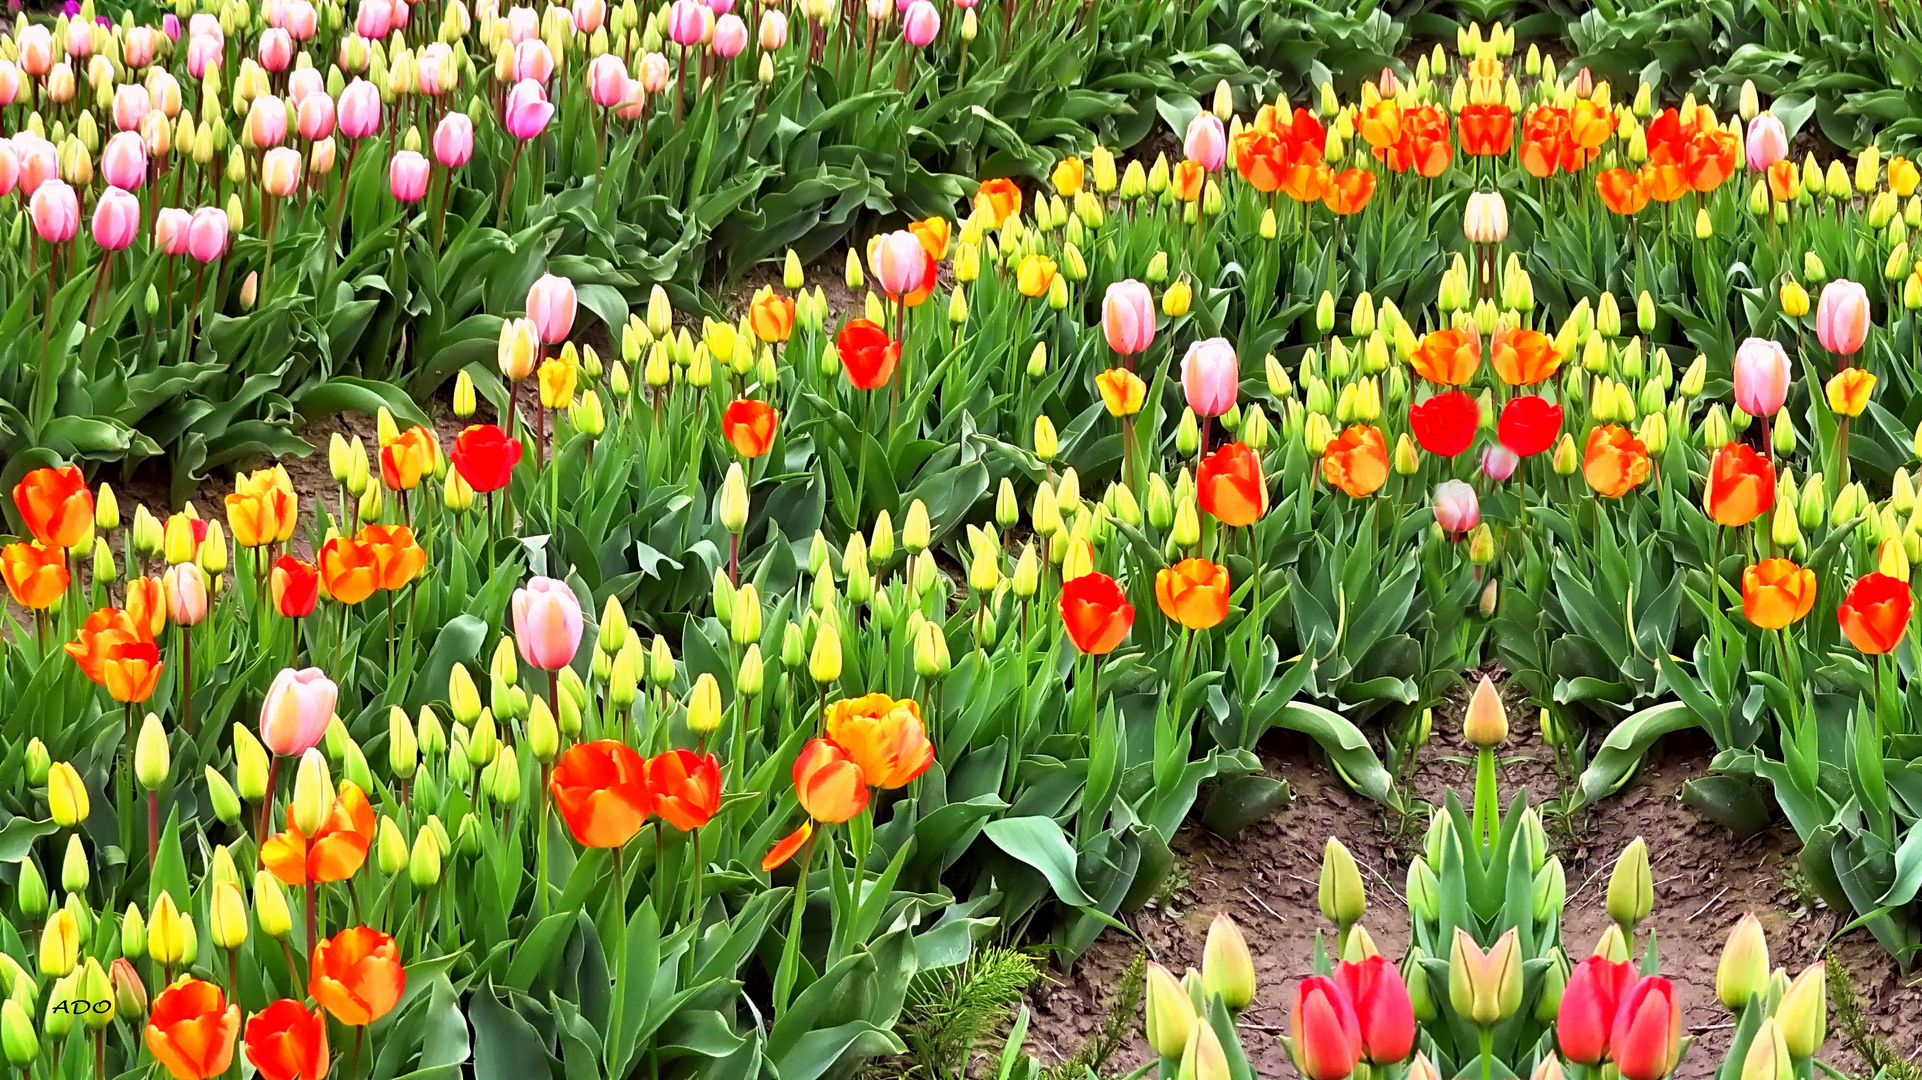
(227, 916)
(152, 759)
(1341, 895)
(313, 794)
(1631, 888)
(1743, 972)
(92, 985)
(67, 802)
(1227, 969)
(129, 993)
(73, 868)
(704, 705)
(17, 1038)
(824, 662)
(1177, 300)
(1170, 1013)
(1803, 1012)
(1554, 984)
(931, 660)
(1812, 501)
(423, 860)
(270, 906)
(169, 933)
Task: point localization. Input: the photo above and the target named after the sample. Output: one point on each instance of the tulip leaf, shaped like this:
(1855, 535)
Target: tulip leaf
(17, 837)
(1040, 843)
(506, 1046)
(1626, 745)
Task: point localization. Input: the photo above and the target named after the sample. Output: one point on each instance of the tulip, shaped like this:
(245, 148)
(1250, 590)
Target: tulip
(607, 80)
(773, 30)
(1590, 1000)
(884, 737)
(547, 623)
(1128, 317)
(286, 1041)
(36, 575)
(67, 801)
(1776, 593)
(1743, 972)
(280, 172)
(828, 783)
(298, 707)
(730, 36)
(921, 23)
(1848, 391)
(1842, 317)
(186, 588)
(1614, 461)
(867, 354)
(327, 837)
(191, 1030)
(1645, 1039)
(1767, 141)
(1485, 988)
(1740, 486)
(1485, 219)
(1340, 894)
(1356, 461)
(600, 790)
(1761, 374)
(123, 162)
(1875, 613)
(685, 788)
(1383, 1009)
(1457, 510)
(356, 976)
(688, 22)
(407, 174)
(551, 304)
(207, 234)
(1170, 1013)
(1194, 593)
(1227, 969)
(1205, 143)
(1096, 613)
(900, 264)
(55, 210)
(1803, 1012)
(1211, 376)
(1325, 1035)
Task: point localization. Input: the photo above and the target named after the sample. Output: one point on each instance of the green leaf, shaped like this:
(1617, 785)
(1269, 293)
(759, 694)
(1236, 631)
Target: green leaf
(1040, 843)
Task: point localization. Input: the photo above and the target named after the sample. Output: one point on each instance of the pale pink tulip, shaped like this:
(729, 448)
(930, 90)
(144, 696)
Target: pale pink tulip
(1128, 317)
(303, 83)
(1206, 143)
(523, 24)
(130, 106)
(207, 234)
(314, 116)
(899, 262)
(534, 60)
(302, 20)
(280, 172)
(359, 109)
(547, 623)
(36, 50)
(1456, 508)
(454, 140)
(1767, 143)
(1842, 317)
(1761, 377)
(56, 212)
(39, 161)
(276, 49)
(689, 22)
(921, 24)
(1211, 376)
(123, 161)
(9, 168)
(773, 31)
(267, 122)
(528, 110)
(407, 176)
(607, 80)
(589, 15)
(373, 19)
(298, 708)
(1499, 462)
(186, 587)
(137, 48)
(550, 305)
(116, 219)
(203, 52)
(730, 36)
(170, 227)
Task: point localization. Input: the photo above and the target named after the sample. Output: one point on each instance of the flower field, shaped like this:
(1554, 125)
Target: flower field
(742, 540)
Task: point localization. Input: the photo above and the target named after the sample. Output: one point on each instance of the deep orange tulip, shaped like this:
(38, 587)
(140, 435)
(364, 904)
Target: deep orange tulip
(784, 849)
(1229, 484)
(1523, 357)
(336, 850)
(1096, 613)
(1449, 357)
(36, 575)
(1187, 181)
(1777, 593)
(286, 1041)
(1348, 192)
(147, 605)
(1621, 191)
(600, 789)
(934, 232)
(750, 425)
(1487, 130)
(103, 632)
(685, 788)
(356, 976)
(997, 201)
(1356, 461)
(397, 554)
(56, 505)
(412, 455)
(868, 355)
(885, 737)
(1663, 182)
(191, 1030)
(828, 783)
(1740, 486)
(1875, 613)
(1307, 182)
(1261, 158)
(1194, 593)
(1614, 461)
(349, 570)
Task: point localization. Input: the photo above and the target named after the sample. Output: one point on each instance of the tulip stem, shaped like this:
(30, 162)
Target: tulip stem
(540, 844)
(791, 948)
(186, 680)
(153, 828)
(1487, 1035)
(313, 925)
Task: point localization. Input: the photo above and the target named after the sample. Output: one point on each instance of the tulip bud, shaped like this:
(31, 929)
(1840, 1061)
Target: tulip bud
(1227, 969)
(1743, 972)
(1343, 899)
(313, 794)
(1631, 888)
(270, 906)
(1803, 1012)
(17, 1036)
(1485, 988)
(73, 868)
(1170, 1013)
(151, 758)
(67, 802)
(423, 861)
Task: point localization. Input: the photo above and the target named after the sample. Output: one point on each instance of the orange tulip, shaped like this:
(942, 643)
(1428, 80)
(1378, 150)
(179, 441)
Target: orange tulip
(1261, 158)
(131, 671)
(411, 455)
(1614, 461)
(356, 976)
(286, 1041)
(1621, 191)
(1306, 182)
(934, 233)
(1096, 613)
(36, 575)
(784, 849)
(828, 783)
(397, 555)
(1356, 461)
(1523, 357)
(147, 605)
(883, 736)
(1740, 486)
(56, 505)
(750, 425)
(1590, 125)
(771, 316)
(1875, 613)
(1380, 124)
(1664, 183)
(191, 1030)
(1776, 593)
(1122, 391)
(276, 491)
(1449, 357)
(600, 789)
(685, 788)
(1187, 181)
(1194, 593)
(336, 850)
(1785, 183)
(1349, 191)
(349, 569)
(997, 201)
(104, 631)
(1229, 484)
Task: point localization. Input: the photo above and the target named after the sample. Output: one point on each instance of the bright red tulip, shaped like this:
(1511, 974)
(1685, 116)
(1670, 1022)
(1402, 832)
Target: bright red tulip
(1326, 1034)
(1445, 424)
(1647, 1035)
(1096, 613)
(1383, 1009)
(1589, 1003)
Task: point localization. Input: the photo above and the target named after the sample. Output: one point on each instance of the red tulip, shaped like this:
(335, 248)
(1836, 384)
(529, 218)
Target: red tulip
(685, 788)
(1383, 1009)
(485, 457)
(1326, 1035)
(1589, 1003)
(1529, 425)
(1875, 613)
(1445, 424)
(867, 354)
(1647, 1036)
(1096, 613)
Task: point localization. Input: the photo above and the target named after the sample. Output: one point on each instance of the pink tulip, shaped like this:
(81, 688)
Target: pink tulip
(689, 22)
(299, 706)
(607, 80)
(170, 230)
(280, 172)
(1211, 376)
(170, 26)
(534, 60)
(1761, 377)
(773, 31)
(1842, 317)
(921, 24)
(206, 25)
(304, 83)
(1499, 462)
(314, 116)
(373, 18)
(39, 161)
(9, 168)
(633, 101)
(9, 82)
(1128, 317)
(730, 36)
(407, 176)
(652, 73)
(528, 110)
(130, 106)
(402, 9)
(116, 219)
(359, 109)
(79, 39)
(589, 15)
(900, 263)
(56, 212)
(454, 140)
(1206, 143)
(203, 52)
(550, 305)
(1768, 141)
(36, 50)
(276, 49)
(267, 122)
(137, 48)
(207, 234)
(186, 587)
(434, 67)
(123, 161)
(302, 20)
(1456, 508)
(522, 25)
(547, 623)
(719, 7)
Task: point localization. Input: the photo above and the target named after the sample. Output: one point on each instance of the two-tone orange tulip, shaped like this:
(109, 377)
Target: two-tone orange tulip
(997, 201)
(1777, 593)
(336, 850)
(56, 505)
(1348, 191)
(1614, 461)
(1230, 486)
(36, 574)
(1740, 486)
(349, 570)
(1194, 593)
(147, 605)
(277, 507)
(1523, 357)
(749, 426)
(1621, 191)
(1448, 357)
(884, 736)
(356, 976)
(685, 788)
(412, 455)
(287, 1041)
(396, 553)
(935, 232)
(600, 789)
(771, 317)
(1875, 613)
(131, 670)
(828, 783)
(97, 639)
(1356, 461)
(191, 1030)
